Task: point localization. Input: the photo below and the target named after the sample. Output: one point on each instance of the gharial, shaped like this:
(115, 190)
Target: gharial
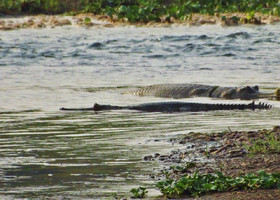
(186, 90)
(174, 107)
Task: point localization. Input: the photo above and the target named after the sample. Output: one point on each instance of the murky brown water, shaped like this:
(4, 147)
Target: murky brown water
(48, 153)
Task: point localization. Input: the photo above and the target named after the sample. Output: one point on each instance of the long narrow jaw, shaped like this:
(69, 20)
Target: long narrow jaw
(267, 95)
(275, 95)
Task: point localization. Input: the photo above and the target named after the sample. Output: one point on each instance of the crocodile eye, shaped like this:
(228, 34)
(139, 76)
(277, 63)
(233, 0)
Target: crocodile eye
(256, 87)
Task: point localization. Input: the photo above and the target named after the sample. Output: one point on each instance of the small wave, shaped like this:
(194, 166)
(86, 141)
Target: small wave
(135, 41)
(122, 47)
(212, 45)
(119, 52)
(251, 49)
(229, 55)
(76, 53)
(207, 53)
(250, 58)
(263, 41)
(155, 56)
(205, 68)
(48, 54)
(203, 37)
(189, 47)
(99, 45)
(175, 38)
(111, 41)
(96, 45)
(244, 35)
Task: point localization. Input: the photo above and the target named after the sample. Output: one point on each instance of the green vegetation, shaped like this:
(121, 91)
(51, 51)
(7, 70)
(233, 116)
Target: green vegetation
(87, 21)
(139, 192)
(198, 184)
(117, 196)
(140, 10)
(270, 144)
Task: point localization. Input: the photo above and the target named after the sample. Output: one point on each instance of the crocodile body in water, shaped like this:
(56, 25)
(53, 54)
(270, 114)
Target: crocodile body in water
(199, 90)
(174, 107)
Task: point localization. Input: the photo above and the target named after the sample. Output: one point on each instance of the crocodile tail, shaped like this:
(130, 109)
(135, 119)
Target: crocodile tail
(262, 105)
(229, 106)
(99, 107)
(251, 106)
(96, 107)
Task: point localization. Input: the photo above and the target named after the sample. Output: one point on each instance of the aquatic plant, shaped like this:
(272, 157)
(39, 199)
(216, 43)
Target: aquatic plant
(87, 21)
(198, 184)
(139, 192)
(270, 144)
(141, 10)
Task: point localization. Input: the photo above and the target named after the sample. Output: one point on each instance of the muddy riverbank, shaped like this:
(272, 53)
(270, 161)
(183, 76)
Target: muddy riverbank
(91, 20)
(234, 153)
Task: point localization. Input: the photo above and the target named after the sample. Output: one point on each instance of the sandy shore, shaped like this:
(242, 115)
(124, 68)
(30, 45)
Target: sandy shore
(90, 20)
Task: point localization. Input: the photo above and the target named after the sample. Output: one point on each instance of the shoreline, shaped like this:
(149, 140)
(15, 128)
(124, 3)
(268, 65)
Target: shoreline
(233, 153)
(15, 22)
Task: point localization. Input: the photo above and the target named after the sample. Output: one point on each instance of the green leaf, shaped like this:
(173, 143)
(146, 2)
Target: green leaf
(87, 20)
(122, 9)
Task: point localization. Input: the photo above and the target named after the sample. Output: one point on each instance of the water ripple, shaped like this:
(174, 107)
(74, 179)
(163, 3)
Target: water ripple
(243, 35)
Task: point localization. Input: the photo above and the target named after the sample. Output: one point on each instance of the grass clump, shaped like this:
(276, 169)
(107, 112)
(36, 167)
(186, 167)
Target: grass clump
(87, 21)
(140, 10)
(139, 192)
(270, 144)
(198, 184)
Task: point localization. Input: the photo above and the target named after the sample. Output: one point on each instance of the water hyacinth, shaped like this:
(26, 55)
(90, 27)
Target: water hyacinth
(198, 184)
(140, 10)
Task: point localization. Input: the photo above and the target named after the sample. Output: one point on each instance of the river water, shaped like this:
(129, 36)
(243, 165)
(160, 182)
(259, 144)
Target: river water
(47, 153)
